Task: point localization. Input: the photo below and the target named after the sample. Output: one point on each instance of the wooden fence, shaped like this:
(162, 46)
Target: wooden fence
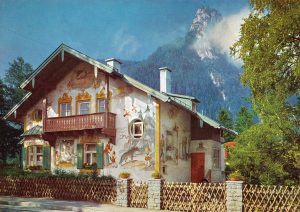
(271, 198)
(98, 190)
(173, 196)
(138, 194)
(194, 196)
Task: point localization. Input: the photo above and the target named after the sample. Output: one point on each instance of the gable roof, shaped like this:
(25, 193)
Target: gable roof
(181, 100)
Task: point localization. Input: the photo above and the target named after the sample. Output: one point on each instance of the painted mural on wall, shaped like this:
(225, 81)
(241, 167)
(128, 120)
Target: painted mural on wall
(83, 77)
(135, 138)
(175, 139)
(65, 152)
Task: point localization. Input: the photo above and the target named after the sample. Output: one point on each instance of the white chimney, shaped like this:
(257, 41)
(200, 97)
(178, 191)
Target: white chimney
(114, 63)
(165, 80)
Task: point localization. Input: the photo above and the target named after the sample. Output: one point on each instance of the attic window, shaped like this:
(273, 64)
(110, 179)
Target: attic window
(37, 115)
(137, 128)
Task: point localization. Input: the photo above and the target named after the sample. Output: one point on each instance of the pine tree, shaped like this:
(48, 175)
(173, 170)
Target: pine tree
(225, 118)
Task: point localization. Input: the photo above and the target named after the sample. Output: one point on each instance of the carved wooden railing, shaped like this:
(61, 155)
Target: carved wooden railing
(80, 122)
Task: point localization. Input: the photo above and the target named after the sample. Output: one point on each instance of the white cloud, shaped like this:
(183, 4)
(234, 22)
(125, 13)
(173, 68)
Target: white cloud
(125, 44)
(222, 35)
(227, 32)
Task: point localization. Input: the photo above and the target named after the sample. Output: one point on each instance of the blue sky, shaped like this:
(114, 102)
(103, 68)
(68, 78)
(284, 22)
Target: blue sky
(124, 29)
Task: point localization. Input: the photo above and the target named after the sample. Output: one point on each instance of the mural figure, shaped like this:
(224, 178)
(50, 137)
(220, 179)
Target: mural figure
(147, 155)
(107, 150)
(65, 152)
(128, 154)
(163, 146)
(113, 158)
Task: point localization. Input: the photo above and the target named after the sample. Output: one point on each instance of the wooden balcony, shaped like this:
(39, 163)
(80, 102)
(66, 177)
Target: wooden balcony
(81, 122)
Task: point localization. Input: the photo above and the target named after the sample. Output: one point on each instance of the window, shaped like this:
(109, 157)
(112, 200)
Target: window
(37, 115)
(216, 159)
(137, 128)
(84, 108)
(65, 109)
(101, 105)
(35, 155)
(90, 154)
(64, 105)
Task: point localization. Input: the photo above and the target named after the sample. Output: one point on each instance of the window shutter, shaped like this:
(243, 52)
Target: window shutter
(99, 149)
(46, 157)
(79, 156)
(24, 157)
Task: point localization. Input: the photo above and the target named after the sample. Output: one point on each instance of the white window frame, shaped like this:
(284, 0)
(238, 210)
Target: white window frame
(101, 106)
(66, 112)
(84, 102)
(216, 158)
(137, 123)
(90, 152)
(33, 156)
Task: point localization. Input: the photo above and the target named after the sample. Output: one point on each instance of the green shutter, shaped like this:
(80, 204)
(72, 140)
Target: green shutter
(46, 157)
(99, 149)
(24, 157)
(79, 156)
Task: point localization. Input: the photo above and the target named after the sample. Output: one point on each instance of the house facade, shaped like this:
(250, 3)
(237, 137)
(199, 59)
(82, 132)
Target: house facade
(80, 113)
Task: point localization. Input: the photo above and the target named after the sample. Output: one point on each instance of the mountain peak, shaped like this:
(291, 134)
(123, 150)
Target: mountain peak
(203, 19)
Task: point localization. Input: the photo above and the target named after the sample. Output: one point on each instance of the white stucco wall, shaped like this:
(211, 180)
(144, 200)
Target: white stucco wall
(208, 146)
(175, 141)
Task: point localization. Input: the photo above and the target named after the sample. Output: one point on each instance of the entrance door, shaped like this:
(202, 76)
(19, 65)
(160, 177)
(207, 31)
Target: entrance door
(197, 167)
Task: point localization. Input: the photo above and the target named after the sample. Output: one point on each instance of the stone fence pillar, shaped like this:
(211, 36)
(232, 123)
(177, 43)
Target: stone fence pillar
(154, 193)
(234, 194)
(123, 189)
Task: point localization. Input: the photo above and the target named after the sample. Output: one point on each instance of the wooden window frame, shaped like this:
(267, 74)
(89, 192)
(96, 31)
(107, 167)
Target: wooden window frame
(85, 152)
(34, 155)
(216, 158)
(65, 99)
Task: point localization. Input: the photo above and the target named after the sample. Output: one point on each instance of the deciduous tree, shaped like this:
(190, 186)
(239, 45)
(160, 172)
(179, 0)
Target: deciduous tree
(269, 46)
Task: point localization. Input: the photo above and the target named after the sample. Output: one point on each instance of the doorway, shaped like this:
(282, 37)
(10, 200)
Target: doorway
(197, 167)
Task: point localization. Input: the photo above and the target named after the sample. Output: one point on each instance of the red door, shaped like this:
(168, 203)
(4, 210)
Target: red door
(197, 167)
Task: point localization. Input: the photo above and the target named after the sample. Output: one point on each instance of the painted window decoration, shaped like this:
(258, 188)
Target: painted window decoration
(65, 109)
(64, 105)
(102, 102)
(90, 154)
(84, 108)
(64, 152)
(35, 156)
(216, 159)
(101, 105)
(83, 101)
(37, 115)
(137, 128)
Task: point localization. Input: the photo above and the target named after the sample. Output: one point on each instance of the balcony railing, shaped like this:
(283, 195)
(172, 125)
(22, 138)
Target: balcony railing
(80, 122)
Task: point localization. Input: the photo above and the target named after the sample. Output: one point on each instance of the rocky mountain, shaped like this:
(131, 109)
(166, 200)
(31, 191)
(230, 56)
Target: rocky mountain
(198, 68)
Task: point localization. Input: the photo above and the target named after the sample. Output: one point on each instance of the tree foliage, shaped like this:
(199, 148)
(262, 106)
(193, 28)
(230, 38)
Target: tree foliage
(11, 94)
(244, 120)
(17, 73)
(224, 117)
(270, 48)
